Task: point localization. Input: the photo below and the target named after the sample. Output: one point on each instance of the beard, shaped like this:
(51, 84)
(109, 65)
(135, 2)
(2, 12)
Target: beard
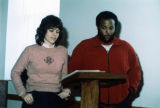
(102, 37)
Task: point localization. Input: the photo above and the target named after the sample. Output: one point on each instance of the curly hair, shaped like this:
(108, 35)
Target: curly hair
(48, 22)
(106, 15)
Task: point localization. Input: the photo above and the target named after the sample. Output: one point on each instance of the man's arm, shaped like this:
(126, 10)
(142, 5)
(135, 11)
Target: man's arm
(76, 60)
(134, 74)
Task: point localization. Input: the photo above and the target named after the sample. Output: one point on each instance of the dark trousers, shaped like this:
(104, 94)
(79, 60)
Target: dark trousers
(126, 103)
(121, 105)
(44, 100)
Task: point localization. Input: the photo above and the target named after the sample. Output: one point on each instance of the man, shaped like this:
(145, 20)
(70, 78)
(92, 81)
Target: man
(108, 53)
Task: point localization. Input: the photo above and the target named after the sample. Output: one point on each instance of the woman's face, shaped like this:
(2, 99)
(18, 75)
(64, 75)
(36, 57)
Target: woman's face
(51, 35)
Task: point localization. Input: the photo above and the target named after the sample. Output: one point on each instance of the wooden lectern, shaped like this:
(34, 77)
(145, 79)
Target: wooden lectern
(90, 82)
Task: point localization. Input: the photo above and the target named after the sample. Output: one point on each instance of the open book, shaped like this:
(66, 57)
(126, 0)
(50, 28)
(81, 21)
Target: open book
(77, 71)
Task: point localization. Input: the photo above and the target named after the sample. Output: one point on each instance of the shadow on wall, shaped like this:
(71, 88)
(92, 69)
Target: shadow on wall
(64, 39)
(118, 30)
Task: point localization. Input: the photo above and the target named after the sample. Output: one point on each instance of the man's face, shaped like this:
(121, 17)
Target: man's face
(107, 28)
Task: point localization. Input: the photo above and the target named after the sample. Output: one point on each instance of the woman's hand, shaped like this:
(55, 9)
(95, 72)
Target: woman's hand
(27, 97)
(65, 93)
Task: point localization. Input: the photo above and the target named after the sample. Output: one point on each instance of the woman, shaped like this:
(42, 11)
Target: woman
(46, 64)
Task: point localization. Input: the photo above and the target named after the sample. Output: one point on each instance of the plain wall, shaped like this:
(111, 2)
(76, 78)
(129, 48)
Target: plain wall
(139, 26)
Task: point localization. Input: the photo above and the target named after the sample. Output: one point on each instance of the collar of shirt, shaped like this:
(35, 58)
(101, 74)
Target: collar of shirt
(47, 46)
(107, 47)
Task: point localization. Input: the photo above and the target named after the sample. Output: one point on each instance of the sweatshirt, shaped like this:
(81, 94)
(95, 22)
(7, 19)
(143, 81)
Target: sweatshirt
(45, 68)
